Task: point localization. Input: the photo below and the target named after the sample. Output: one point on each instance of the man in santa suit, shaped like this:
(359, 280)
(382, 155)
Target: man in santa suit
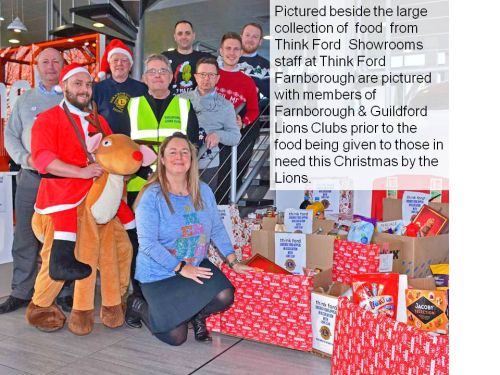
(67, 173)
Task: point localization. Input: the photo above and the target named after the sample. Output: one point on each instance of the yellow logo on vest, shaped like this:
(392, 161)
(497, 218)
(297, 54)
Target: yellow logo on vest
(120, 101)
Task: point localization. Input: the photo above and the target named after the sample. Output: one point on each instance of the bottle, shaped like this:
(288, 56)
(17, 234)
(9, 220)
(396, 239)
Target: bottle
(280, 223)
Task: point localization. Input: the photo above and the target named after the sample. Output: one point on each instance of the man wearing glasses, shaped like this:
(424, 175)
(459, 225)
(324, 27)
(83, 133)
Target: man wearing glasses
(216, 117)
(153, 117)
(112, 95)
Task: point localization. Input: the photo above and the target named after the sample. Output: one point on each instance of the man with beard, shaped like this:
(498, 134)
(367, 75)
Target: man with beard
(183, 59)
(251, 63)
(25, 247)
(59, 153)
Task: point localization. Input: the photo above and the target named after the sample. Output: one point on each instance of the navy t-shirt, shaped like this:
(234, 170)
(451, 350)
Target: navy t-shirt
(183, 68)
(256, 67)
(112, 98)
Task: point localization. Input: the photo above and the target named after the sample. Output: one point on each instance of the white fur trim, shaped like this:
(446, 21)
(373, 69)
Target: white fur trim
(68, 236)
(106, 206)
(101, 75)
(60, 207)
(120, 50)
(72, 72)
(129, 225)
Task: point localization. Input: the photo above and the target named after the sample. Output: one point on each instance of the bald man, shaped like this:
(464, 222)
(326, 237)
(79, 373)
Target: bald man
(25, 247)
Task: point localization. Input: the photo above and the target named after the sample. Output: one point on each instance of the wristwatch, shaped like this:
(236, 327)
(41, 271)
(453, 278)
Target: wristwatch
(183, 263)
(231, 264)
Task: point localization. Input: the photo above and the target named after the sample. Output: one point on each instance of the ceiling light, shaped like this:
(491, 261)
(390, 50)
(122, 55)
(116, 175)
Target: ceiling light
(98, 24)
(13, 41)
(17, 25)
(267, 37)
(171, 49)
(86, 43)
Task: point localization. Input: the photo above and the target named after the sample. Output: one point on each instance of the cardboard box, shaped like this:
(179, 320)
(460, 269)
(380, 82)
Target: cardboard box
(270, 308)
(374, 344)
(319, 246)
(413, 255)
(324, 311)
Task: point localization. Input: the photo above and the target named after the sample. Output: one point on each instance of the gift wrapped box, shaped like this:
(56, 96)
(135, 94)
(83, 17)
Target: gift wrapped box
(270, 308)
(352, 258)
(240, 234)
(375, 344)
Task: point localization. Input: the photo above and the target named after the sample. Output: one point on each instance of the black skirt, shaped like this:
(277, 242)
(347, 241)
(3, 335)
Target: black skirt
(177, 299)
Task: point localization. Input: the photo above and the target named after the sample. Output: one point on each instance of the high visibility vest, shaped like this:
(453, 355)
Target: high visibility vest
(144, 125)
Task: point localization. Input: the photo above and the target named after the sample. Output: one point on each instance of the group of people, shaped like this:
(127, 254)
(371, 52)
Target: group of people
(189, 119)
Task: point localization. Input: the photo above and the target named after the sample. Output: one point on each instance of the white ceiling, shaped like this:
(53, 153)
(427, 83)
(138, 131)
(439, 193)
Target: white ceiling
(211, 18)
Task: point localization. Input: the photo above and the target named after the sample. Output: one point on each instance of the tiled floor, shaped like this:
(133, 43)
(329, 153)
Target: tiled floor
(126, 351)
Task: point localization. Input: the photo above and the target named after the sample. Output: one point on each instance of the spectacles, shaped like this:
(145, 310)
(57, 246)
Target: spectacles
(207, 75)
(154, 71)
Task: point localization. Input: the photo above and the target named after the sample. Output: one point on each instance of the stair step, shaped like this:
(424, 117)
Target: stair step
(260, 182)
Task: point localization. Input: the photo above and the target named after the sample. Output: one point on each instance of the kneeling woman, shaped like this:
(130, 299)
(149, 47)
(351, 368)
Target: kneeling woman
(177, 217)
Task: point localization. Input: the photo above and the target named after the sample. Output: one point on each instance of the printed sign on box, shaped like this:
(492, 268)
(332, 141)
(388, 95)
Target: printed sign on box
(323, 312)
(412, 203)
(324, 301)
(290, 251)
(333, 198)
(298, 220)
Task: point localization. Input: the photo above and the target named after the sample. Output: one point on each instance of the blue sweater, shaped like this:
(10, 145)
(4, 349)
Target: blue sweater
(112, 98)
(165, 239)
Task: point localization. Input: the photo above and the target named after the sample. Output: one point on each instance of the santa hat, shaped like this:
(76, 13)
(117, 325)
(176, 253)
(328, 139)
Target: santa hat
(115, 46)
(71, 70)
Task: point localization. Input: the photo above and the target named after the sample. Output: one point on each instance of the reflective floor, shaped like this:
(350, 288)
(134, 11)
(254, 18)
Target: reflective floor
(126, 351)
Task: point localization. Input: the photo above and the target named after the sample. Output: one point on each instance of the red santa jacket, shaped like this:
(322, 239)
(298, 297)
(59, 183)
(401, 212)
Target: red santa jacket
(53, 137)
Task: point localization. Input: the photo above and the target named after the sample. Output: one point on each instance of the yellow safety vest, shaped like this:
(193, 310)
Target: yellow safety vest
(144, 126)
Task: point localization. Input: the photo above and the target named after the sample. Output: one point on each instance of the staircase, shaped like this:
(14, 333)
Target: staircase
(258, 194)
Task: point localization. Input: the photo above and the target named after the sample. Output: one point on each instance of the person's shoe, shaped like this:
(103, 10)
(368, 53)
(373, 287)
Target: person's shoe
(200, 328)
(63, 264)
(12, 304)
(65, 303)
(137, 312)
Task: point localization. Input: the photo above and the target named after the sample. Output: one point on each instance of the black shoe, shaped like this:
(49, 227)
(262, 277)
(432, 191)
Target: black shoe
(65, 303)
(200, 328)
(137, 312)
(12, 304)
(63, 264)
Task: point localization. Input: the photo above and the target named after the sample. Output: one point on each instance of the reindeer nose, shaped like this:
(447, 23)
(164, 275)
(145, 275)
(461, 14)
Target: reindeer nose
(137, 155)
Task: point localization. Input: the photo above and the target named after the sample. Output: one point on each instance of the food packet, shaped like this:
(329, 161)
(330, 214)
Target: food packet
(361, 232)
(376, 292)
(426, 310)
(441, 274)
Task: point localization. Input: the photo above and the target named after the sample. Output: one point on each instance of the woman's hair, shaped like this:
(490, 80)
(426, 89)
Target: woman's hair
(160, 176)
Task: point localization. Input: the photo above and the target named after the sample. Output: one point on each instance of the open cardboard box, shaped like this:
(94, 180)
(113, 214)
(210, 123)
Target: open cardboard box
(413, 255)
(272, 308)
(324, 300)
(319, 246)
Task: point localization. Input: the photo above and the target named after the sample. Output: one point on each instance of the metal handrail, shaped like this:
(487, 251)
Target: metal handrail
(234, 194)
